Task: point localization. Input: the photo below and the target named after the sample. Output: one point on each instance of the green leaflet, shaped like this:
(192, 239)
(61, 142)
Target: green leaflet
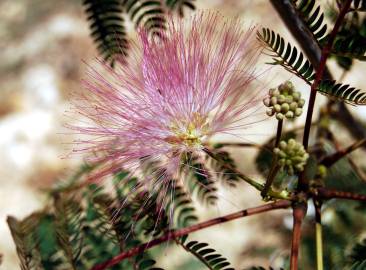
(287, 56)
(107, 28)
(343, 92)
(208, 256)
(179, 5)
(313, 18)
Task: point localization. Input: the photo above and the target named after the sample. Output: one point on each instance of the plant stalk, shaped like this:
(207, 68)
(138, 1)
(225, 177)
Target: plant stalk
(303, 182)
(318, 235)
(299, 212)
(282, 204)
(274, 167)
(271, 193)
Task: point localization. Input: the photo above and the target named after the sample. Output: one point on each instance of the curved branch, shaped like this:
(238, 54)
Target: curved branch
(282, 204)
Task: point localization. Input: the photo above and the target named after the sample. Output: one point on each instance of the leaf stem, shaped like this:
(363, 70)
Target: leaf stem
(279, 132)
(253, 183)
(318, 235)
(274, 167)
(231, 144)
(281, 204)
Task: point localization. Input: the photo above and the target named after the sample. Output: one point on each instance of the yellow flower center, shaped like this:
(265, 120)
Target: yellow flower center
(189, 133)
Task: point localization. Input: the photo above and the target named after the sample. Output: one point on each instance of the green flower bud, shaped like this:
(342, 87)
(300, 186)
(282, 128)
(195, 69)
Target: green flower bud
(277, 108)
(281, 99)
(296, 96)
(322, 171)
(285, 107)
(298, 112)
(291, 156)
(284, 101)
(280, 116)
(273, 101)
(289, 99)
(289, 114)
(293, 106)
(301, 102)
(283, 145)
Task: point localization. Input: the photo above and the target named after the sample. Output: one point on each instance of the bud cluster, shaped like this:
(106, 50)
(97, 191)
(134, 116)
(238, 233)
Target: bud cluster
(291, 156)
(284, 101)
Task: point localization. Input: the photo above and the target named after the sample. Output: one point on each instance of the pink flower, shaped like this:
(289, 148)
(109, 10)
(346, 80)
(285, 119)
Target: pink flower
(171, 98)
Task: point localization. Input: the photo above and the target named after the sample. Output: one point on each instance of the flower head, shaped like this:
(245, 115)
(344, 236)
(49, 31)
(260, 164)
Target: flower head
(174, 95)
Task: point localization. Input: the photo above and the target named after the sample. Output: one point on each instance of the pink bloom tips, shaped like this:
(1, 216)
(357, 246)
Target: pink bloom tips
(170, 99)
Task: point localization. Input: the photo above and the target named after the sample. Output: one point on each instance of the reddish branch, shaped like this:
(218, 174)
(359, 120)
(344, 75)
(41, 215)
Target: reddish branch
(326, 194)
(299, 212)
(303, 182)
(331, 159)
(181, 232)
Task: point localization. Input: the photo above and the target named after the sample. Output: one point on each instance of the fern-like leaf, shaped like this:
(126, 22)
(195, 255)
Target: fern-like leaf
(26, 244)
(203, 184)
(342, 92)
(350, 41)
(359, 5)
(179, 5)
(351, 47)
(221, 168)
(181, 206)
(208, 256)
(148, 14)
(313, 18)
(107, 28)
(289, 57)
(358, 254)
(69, 226)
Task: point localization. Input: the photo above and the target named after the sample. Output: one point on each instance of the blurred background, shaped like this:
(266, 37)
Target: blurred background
(43, 47)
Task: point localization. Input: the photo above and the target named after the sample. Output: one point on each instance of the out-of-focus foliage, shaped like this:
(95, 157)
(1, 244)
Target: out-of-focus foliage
(84, 226)
(81, 229)
(350, 42)
(108, 26)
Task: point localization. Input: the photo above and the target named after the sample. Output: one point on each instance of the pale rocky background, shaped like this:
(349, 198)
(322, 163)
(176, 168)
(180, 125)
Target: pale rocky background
(42, 46)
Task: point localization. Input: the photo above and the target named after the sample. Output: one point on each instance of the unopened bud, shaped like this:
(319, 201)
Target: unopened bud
(292, 156)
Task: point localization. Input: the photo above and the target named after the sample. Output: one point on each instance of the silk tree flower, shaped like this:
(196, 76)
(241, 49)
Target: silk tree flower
(171, 98)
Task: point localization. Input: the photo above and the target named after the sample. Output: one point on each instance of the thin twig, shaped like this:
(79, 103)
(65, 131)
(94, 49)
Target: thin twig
(299, 212)
(282, 204)
(274, 167)
(333, 158)
(233, 144)
(359, 172)
(279, 132)
(326, 194)
(271, 193)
